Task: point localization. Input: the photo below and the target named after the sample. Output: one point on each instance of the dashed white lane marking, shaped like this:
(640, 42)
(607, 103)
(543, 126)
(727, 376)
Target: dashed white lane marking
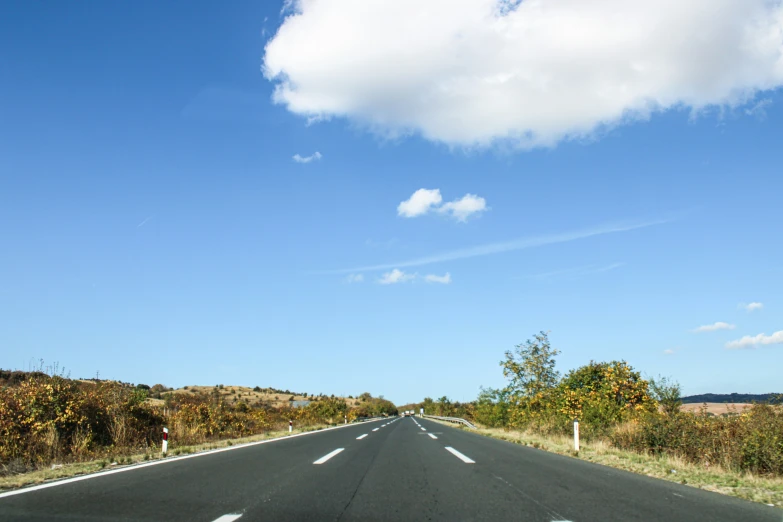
(423, 429)
(328, 456)
(460, 456)
(376, 429)
(228, 518)
(383, 426)
(360, 437)
(431, 435)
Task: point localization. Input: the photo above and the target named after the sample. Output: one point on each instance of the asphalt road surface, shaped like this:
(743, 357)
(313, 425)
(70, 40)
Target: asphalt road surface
(403, 469)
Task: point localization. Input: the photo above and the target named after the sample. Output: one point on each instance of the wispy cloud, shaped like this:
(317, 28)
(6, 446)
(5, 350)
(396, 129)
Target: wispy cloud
(444, 279)
(752, 341)
(759, 109)
(751, 307)
(354, 278)
(307, 159)
(143, 222)
(669, 352)
(507, 246)
(578, 271)
(714, 327)
(395, 276)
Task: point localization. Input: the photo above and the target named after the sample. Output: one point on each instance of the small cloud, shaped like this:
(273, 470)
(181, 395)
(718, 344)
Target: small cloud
(424, 201)
(753, 341)
(307, 159)
(714, 327)
(419, 203)
(462, 209)
(354, 278)
(759, 110)
(444, 279)
(395, 276)
(752, 307)
(669, 352)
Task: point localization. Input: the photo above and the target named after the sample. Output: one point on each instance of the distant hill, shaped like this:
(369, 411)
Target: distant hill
(730, 397)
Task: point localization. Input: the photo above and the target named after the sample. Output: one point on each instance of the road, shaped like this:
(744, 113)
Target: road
(403, 469)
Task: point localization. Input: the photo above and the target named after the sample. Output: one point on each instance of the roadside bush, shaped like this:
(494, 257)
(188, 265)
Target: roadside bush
(750, 441)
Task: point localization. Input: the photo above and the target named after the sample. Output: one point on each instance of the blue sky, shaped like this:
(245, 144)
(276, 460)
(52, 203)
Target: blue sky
(156, 228)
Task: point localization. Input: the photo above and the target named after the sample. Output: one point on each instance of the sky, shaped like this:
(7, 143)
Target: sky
(347, 196)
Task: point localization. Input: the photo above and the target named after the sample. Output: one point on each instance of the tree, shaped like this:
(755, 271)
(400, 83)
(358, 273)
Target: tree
(668, 394)
(530, 368)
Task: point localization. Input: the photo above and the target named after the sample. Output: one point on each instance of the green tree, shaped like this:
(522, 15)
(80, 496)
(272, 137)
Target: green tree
(530, 367)
(668, 394)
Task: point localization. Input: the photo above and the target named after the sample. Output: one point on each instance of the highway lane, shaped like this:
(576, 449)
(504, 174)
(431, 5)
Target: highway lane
(402, 471)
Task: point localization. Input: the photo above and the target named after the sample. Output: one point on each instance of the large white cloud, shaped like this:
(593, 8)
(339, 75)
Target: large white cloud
(533, 72)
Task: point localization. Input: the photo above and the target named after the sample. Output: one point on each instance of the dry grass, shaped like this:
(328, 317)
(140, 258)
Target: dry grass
(766, 490)
(716, 408)
(57, 472)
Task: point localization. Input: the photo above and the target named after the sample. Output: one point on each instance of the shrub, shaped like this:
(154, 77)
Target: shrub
(750, 441)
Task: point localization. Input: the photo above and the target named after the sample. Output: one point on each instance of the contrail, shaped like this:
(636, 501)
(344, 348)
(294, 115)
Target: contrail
(143, 222)
(507, 246)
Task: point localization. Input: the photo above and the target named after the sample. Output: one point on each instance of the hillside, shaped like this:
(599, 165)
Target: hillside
(730, 398)
(266, 397)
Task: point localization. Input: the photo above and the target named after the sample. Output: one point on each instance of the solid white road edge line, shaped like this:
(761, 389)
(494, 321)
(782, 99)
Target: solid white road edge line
(328, 456)
(170, 459)
(431, 435)
(228, 518)
(360, 437)
(460, 456)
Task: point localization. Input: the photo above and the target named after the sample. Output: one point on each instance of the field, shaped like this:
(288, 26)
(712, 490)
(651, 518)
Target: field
(717, 408)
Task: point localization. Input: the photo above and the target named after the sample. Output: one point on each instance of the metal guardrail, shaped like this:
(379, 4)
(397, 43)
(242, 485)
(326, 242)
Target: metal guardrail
(451, 419)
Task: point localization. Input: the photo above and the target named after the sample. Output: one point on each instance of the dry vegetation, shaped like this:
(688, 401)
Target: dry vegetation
(50, 420)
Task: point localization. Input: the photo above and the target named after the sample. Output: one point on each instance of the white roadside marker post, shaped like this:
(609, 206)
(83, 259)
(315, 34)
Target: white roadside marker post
(346, 419)
(576, 435)
(290, 426)
(165, 448)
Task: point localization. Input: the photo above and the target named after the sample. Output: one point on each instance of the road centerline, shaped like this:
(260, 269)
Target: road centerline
(360, 437)
(228, 518)
(328, 456)
(460, 456)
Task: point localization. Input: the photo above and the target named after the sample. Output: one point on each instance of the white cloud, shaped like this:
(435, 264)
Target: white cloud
(669, 352)
(444, 279)
(307, 159)
(753, 341)
(529, 73)
(354, 278)
(714, 327)
(421, 202)
(424, 201)
(751, 307)
(395, 276)
(508, 246)
(463, 208)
